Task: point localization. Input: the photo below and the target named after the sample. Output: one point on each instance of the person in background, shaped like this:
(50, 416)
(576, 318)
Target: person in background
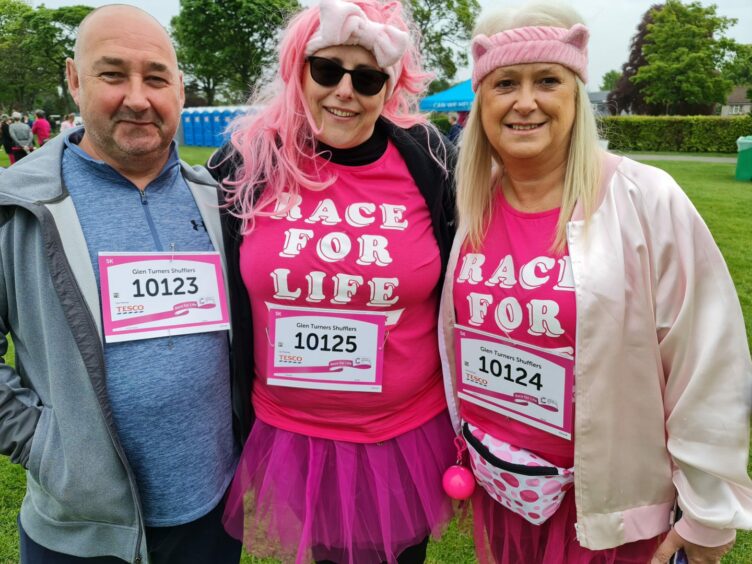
(454, 129)
(595, 354)
(338, 220)
(68, 123)
(22, 137)
(41, 128)
(5, 137)
(123, 420)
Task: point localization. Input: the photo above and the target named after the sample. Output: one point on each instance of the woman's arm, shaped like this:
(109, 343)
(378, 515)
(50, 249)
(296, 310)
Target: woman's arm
(705, 357)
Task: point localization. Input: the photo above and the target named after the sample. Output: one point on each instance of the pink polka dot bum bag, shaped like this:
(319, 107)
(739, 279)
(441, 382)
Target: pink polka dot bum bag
(518, 479)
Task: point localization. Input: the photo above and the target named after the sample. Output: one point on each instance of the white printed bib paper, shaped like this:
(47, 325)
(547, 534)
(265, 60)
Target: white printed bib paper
(527, 383)
(148, 295)
(325, 349)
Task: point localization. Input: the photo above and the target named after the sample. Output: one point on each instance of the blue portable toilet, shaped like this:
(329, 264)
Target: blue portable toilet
(195, 120)
(187, 119)
(217, 126)
(198, 126)
(207, 126)
(198, 139)
(227, 115)
(207, 133)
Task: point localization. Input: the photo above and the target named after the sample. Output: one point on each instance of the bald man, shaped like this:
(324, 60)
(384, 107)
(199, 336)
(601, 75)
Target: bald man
(120, 404)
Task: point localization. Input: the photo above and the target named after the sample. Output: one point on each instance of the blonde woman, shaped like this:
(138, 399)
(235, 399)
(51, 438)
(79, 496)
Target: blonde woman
(68, 123)
(595, 354)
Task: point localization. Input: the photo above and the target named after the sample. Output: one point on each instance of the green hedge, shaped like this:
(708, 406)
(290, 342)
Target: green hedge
(441, 121)
(695, 134)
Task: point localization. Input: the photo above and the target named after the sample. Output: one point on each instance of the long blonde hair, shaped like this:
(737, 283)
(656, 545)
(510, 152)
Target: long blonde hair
(479, 167)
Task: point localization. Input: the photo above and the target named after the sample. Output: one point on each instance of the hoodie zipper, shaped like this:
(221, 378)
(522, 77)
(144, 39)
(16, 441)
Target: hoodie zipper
(150, 220)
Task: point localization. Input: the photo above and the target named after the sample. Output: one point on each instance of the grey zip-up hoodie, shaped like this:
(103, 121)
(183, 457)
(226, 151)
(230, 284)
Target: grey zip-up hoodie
(21, 134)
(55, 418)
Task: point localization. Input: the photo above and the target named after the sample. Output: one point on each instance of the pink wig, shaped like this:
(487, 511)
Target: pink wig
(273, 143)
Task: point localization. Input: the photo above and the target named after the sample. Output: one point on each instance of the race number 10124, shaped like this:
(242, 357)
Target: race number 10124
(514, 374)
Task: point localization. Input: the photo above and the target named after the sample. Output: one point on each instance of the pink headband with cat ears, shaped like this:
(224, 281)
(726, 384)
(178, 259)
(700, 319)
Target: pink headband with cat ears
(535, 44)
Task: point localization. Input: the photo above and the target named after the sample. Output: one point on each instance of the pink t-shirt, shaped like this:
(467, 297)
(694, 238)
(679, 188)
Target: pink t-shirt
(301, 259)
(41, 129)
(516, 262)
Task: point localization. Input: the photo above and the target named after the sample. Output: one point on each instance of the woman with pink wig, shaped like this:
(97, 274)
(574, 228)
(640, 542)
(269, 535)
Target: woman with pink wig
(596, 361)
(338, 222)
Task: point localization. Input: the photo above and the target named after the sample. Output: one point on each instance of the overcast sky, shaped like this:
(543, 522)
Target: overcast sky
(612, 24)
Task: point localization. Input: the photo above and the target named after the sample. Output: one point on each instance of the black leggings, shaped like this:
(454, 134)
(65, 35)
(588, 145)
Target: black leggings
(203, 540)
(415, 554)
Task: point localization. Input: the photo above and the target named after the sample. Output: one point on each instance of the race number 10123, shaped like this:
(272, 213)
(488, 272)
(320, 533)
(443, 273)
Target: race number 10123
(153, 287)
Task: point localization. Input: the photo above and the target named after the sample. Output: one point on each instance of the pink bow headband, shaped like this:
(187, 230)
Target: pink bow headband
(344, 23)
(535, 44)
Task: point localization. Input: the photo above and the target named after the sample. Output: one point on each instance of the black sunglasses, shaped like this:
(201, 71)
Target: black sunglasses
(326, 72)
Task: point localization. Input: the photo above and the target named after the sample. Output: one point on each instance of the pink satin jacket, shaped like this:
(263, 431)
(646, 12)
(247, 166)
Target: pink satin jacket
(663, 378)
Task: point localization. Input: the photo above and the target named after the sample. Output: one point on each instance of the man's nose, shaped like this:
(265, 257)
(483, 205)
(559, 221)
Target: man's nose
(136, 96)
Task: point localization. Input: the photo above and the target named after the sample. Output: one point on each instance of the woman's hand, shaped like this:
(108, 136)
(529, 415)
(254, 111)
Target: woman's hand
(696, 554)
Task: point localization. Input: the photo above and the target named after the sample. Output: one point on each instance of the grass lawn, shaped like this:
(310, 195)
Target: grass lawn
(725, 205)
(196, 155)
(679, 154)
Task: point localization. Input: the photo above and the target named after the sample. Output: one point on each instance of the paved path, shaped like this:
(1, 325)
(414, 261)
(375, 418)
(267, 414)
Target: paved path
(697, 159)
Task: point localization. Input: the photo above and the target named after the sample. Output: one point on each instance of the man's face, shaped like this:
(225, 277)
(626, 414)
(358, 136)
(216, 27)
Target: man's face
(127, 85)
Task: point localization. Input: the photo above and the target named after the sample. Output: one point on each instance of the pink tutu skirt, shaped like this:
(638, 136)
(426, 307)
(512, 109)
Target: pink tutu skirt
(299, 498)
(504, 537)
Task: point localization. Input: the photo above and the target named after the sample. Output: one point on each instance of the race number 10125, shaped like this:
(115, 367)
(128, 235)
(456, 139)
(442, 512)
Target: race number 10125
(325, 342)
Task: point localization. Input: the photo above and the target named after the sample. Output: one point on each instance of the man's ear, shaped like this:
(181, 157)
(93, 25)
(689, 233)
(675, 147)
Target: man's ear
(71, 73)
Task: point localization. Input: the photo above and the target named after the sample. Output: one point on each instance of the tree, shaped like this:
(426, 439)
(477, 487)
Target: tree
(738, 68)
(53, 36)
(684, 51)
(609, 80)
(438, 86)
(11, 34)
(225, 45)
(34, 44)
(627, 96)
(445, 27)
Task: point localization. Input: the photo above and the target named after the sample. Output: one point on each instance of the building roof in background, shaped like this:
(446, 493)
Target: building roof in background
(739, 96)
(598, 97)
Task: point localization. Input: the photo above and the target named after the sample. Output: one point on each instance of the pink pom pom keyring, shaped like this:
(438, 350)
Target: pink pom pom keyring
(458, 480)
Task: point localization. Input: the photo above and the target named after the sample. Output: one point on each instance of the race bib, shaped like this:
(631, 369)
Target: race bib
(147, 295)
(325, 349)
(529, 384)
